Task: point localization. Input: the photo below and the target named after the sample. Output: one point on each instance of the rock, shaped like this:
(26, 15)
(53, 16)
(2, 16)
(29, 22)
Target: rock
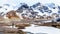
(21, 32)
(12, 14)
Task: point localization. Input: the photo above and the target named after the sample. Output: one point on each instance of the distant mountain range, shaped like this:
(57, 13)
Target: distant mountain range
(38, 7)
(44, 9)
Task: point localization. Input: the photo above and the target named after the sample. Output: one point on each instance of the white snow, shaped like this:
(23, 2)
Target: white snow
(14, 4)
(42, 29)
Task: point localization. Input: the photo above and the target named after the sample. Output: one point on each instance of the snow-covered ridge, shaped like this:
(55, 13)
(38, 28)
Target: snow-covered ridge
(42, 7)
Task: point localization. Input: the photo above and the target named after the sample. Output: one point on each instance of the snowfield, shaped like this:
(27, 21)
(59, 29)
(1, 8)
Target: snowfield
(42, 29)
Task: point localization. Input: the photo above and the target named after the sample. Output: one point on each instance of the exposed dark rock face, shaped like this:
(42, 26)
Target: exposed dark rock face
(58, 20)
(23, 5)
(45, 7)
(21, 32)
(0, 6)
(35, 5)
(58, 7)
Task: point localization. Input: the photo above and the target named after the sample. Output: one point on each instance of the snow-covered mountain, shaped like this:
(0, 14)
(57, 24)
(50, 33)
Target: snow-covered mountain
(42, 9)
(50, 5)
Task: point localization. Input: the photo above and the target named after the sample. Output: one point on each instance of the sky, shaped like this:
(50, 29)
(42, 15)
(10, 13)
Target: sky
(29, 2)
(14, 4)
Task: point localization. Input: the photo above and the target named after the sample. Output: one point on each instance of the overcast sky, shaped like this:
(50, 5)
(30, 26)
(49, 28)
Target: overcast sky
(16, 3)
(29, 2)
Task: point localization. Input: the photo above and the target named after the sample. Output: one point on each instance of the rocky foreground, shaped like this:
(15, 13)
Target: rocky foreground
(13, 23)
(11, 26)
